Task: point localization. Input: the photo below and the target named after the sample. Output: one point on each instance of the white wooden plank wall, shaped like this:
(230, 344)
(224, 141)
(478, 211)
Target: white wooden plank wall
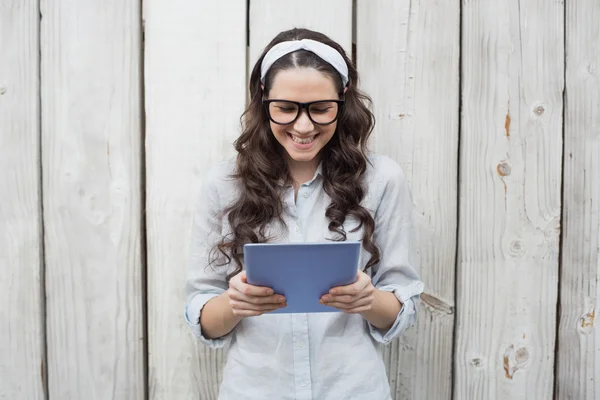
(408, 61)
(91, 141)
(22, 364)
(510, 179)
(195, 71)
(82, 302)
(268, 18)
(578, 367)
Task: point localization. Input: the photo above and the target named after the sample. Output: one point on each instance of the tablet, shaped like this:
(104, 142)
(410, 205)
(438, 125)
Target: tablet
(302, 272)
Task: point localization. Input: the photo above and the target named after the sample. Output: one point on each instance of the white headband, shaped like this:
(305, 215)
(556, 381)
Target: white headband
(325, 52)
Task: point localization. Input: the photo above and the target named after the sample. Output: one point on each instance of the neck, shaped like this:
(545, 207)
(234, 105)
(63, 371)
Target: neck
(302, 171)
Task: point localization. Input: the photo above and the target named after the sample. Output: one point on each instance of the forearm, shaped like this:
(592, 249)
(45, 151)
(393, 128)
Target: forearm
(384, 310)
(217, 318)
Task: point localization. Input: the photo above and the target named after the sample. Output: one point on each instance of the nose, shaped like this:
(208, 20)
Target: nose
(303, 124)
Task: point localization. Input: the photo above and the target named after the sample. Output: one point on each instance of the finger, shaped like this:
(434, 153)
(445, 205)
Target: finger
(345, 298)
(348, 306)
(241, 305)
(353, 289)
(356, 290)
(247, 313)
(273, 299)
(240, 284)
(358, 310)
(339, 306)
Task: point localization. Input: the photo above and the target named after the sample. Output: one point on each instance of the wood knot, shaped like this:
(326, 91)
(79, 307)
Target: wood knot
(436, 304)
(539, 111)
(587, 321)
(514, 360)
(522, 355)
(476, 362)
(517, 248)
(503, 169)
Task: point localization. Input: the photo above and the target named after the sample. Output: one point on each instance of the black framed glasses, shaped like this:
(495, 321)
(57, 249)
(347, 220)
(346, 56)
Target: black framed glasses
(320, 112)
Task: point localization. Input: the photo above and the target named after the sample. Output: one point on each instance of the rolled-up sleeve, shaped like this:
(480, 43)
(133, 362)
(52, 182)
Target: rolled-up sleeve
(396, 236)
(205, 281)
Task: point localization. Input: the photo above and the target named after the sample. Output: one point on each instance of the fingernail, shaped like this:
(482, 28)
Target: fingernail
(270, 291)
(281, 299)
(325, 298)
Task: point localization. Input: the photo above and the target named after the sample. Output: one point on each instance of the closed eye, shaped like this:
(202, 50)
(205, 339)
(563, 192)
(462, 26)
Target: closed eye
(320, 110)
(287, 109)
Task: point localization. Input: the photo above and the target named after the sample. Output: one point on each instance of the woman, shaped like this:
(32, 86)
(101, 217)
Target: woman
(303, 174)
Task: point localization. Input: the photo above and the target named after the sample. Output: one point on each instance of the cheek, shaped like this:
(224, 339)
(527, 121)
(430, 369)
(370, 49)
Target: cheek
(329, 130)
(277, 129)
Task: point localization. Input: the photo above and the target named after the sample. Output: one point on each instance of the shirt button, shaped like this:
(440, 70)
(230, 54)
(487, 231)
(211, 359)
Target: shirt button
(300, 344)
(303, 383)
(305, 194)
(297, 228)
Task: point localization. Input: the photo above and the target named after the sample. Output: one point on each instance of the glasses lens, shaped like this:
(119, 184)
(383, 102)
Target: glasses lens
(283, 112)
(323, 112)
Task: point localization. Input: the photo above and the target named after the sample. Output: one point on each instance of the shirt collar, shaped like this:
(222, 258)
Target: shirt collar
(318, 172)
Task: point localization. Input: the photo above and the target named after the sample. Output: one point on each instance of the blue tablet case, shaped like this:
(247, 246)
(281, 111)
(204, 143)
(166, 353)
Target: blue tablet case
(302, 272)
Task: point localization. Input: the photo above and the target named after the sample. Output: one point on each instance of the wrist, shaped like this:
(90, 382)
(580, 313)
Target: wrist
(229, 318)
(217, 318)
(384, 309)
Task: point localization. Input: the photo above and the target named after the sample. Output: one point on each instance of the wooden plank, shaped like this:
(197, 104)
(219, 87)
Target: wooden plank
(578, 366)
(195, 74)
(91, 152)
(268, 18)
(407, 56)
(22, 364)
(510, 178)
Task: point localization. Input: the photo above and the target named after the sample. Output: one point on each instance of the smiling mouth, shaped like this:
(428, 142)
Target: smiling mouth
(306, 140)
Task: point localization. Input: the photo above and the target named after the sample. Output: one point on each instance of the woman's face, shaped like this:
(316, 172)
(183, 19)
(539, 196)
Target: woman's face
(302, 139)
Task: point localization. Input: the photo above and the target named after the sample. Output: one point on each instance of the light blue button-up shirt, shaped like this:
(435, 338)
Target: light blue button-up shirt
(324, 356)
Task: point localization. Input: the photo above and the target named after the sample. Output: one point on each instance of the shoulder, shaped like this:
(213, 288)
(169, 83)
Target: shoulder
(385, 181)
(219, 181)
(220, 173)
(383, 170)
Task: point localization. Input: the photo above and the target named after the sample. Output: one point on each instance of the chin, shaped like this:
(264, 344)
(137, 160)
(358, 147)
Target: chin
(301, 157)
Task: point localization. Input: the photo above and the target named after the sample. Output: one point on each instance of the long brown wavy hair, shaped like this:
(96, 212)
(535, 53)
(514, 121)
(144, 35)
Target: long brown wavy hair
(261, 164)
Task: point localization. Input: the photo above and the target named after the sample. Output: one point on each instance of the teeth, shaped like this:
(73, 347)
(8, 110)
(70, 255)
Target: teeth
(303, 141)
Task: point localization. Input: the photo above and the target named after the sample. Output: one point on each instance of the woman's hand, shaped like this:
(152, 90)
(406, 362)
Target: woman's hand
(355, 298)
(248, 300)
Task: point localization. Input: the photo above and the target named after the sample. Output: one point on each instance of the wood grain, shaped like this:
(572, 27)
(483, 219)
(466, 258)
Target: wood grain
(195, 71)
(91, 157)
(578, 366)
(510, 200)
(22, 363)
(407, 55)
(268, 18)
(74, 184)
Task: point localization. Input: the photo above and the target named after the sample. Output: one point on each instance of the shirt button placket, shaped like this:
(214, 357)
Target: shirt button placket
(301, 357)
(293, 223)
(302, 382)
(297, 234)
